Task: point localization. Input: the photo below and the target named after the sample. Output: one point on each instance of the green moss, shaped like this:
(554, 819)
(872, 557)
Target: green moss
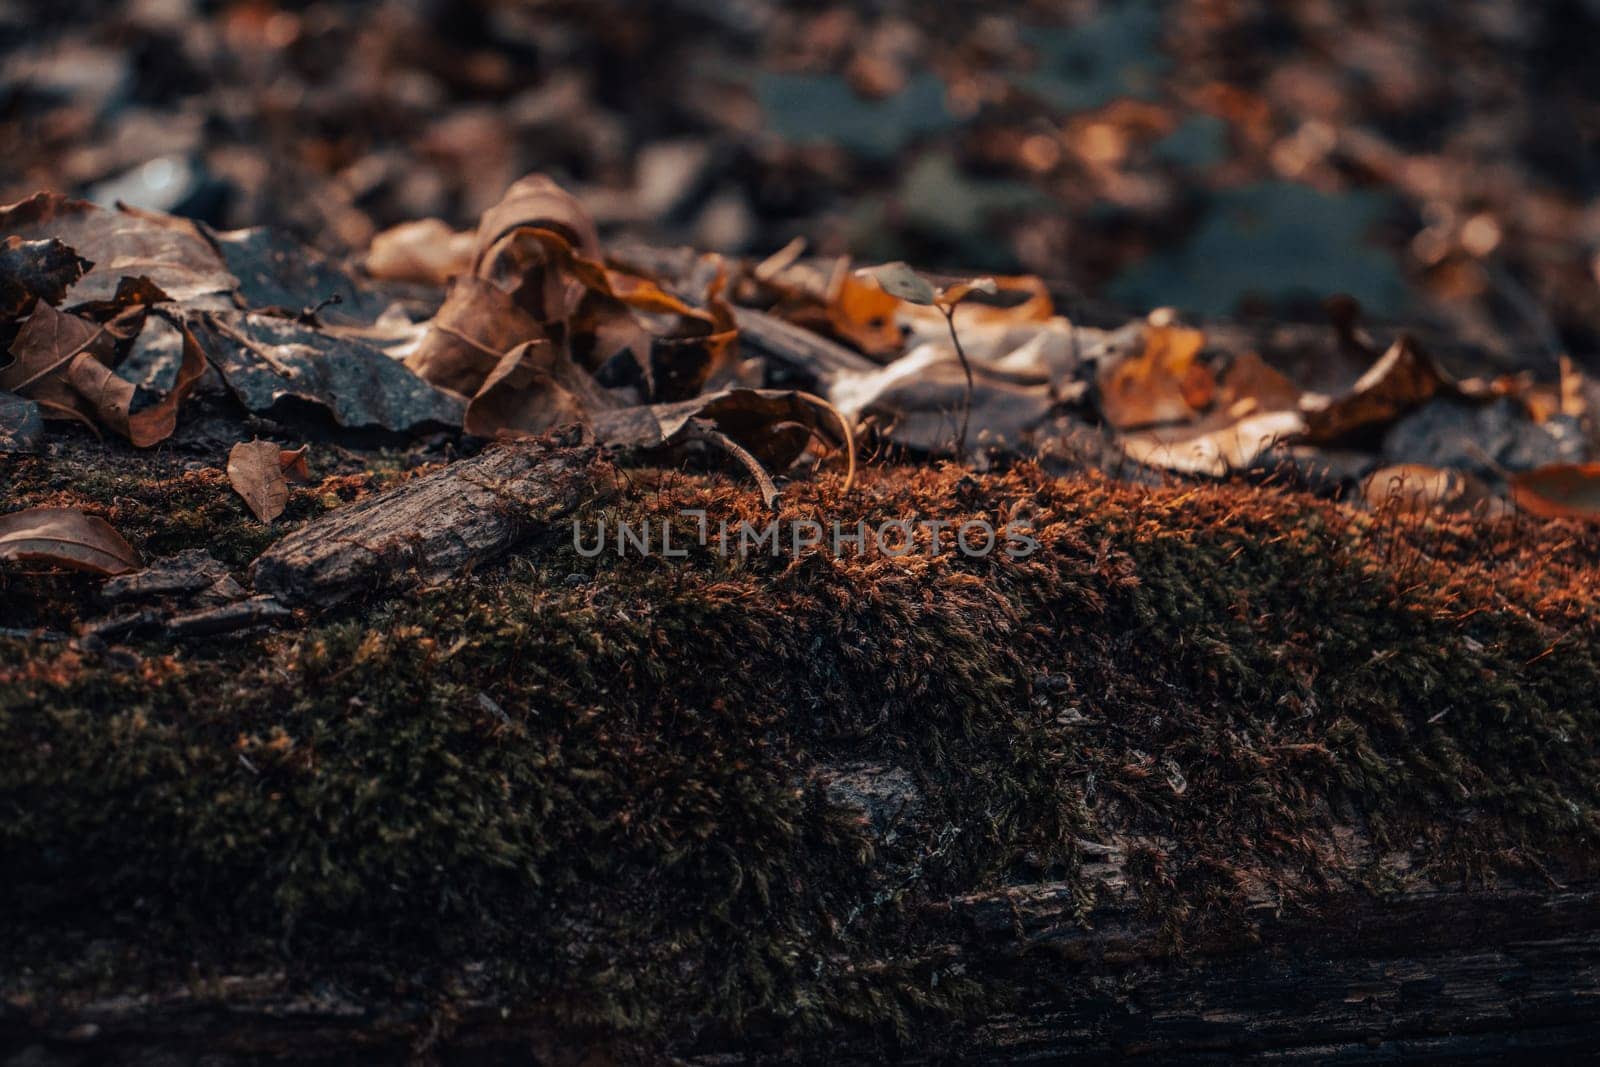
(596, 777)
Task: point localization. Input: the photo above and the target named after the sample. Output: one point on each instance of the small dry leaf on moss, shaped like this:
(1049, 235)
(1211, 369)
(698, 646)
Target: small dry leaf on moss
(256, 472)
(68, 538)
(1416, 488)
(1560, 491)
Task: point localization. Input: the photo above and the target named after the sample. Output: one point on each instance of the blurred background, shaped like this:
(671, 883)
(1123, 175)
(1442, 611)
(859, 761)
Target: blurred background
(1436, 159)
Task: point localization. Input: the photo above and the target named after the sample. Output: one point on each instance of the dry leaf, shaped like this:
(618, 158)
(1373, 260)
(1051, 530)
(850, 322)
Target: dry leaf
(1416, 488)
(171, 252)
(425, 251)
(66, 537)
(1215, 452)
(256, 474)
(1405, 377)
(536, 387)
(477, 325)
(31, 271)
(1560, 491)
(1165, 383)
(293, 464)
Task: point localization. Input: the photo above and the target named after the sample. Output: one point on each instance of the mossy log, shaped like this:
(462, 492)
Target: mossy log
(1215, 770)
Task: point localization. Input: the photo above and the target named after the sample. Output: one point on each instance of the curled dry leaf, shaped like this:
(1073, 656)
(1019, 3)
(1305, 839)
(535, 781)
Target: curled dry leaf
(534, 388)
(64, 362)
(68, 538)
(1560, 491)
(759, 420)
(1165, 383)
(1403, 378)
(255, 470)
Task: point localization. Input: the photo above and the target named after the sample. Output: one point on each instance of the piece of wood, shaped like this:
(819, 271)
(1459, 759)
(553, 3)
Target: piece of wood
(435, 526)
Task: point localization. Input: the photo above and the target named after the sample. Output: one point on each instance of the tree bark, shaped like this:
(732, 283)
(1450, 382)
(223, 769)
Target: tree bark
(435, 526)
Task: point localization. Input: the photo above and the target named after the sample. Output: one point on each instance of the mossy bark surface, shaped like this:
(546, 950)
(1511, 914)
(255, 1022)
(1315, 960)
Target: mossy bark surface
(570, 799)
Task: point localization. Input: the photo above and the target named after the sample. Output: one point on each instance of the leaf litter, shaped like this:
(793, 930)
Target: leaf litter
(531, 326)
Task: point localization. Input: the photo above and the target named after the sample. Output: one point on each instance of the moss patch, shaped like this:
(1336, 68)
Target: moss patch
(589, 784)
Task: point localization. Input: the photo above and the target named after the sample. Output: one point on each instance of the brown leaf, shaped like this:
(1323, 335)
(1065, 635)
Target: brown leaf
(536, 202)
(477, 325)
(755, 418)
(171, 252)
(425, 251)
(62, 361)
(31, 271)
(68, 538)
(1560, 491)
(1249, 386)
(1416, 488)
(256, 474)
(1163, 384)
(47, 342)
(1402, 379)
(534, 388)
(293, 464)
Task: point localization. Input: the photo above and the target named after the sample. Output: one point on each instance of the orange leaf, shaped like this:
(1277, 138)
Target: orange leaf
(1559, 491)
(1165, 383)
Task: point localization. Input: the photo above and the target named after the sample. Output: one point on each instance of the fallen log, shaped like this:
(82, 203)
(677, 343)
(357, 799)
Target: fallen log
(434, 526)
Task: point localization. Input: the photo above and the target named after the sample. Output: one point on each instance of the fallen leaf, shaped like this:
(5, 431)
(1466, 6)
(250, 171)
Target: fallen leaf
(755, 418)
(293, 464)
(1213, 452)
(278, 273)
(275, 366)
(1416, 488)
(31, 271)
(536, 387)
(256, 474)
(477, 325)
(170, 251)
(1559, 491)
(68, 538)
(425, 251)
(1402, 379)
(1165, 383)
(1249, 385)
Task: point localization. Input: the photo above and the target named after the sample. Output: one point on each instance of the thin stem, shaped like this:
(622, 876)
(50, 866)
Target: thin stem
(966, 400)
